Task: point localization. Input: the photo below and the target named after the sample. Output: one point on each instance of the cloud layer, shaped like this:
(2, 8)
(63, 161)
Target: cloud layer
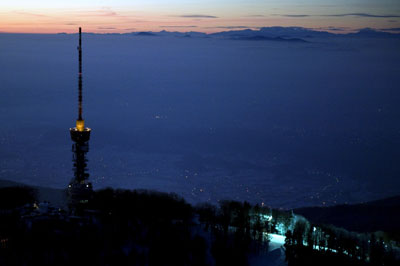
(197, 16)
(365, 15)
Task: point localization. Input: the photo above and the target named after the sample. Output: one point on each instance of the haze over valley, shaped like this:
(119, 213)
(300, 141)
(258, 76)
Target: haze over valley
(285, 117)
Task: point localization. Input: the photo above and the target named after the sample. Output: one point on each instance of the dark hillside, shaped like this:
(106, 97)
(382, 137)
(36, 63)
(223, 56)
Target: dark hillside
(380, 215)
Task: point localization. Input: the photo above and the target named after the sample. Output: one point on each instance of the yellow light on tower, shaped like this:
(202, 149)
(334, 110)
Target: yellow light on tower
(80, 125)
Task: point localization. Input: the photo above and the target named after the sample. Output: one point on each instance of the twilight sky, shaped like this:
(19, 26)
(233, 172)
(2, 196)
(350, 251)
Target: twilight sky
(106, 16)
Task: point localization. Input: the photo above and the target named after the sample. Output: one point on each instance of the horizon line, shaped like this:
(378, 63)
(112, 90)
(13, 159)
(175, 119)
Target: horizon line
(333, 30)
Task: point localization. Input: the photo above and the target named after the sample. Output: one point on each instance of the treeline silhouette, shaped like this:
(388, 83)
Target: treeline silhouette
(309, 244)
(13, 197)
(123, 227)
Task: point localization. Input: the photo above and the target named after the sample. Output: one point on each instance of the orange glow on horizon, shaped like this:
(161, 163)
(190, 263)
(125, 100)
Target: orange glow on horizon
(107, 20)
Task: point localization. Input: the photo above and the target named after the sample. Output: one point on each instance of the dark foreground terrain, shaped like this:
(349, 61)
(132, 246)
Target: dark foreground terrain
(122, 227)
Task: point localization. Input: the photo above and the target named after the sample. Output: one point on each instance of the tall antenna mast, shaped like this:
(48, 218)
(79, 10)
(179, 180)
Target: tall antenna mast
(80, 74)
(80, 133)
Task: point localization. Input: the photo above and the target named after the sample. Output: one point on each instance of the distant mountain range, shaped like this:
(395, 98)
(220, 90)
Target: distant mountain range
(280, 34)
(380, 215)
(285, 34)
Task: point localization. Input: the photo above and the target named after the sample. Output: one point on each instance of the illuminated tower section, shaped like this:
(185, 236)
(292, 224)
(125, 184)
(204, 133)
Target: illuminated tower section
(80, 189)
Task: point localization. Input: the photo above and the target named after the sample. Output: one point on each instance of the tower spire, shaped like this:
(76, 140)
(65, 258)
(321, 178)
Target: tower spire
(80, 74)
(80, 133)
